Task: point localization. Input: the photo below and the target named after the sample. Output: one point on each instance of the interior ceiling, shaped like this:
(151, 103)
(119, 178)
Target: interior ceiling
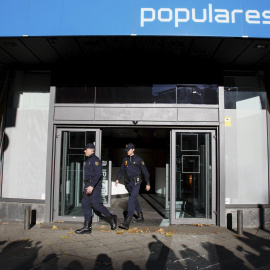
(132, 133)
(238, 53)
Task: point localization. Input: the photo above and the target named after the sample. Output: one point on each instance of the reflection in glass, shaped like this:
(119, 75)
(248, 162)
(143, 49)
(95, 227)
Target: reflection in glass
(197, 94)
(193, 176)
(163, 93)
(244, 98)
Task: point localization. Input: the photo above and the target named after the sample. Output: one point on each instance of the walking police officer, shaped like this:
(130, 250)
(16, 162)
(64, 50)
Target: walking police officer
(92, 191)
(132, 167)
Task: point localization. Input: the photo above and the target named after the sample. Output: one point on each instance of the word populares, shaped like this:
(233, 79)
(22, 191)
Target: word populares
(182, 15)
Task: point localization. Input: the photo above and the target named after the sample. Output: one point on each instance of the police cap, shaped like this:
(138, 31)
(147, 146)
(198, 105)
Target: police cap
(129, 146)
(89, 145)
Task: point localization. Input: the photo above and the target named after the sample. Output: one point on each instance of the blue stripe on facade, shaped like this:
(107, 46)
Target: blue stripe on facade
(231, 18)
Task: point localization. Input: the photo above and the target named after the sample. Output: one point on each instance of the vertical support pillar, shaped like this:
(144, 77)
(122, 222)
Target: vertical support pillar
(50, 159)
(239, 222)
(221, 211)
(27, 217)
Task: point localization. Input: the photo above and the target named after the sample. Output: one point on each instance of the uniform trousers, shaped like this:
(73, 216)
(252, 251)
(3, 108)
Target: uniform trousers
(133, 203)
(93, 200)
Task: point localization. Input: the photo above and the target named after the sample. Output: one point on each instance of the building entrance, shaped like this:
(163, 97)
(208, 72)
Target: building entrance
(181, 164)
(193, 176)
(152, 145)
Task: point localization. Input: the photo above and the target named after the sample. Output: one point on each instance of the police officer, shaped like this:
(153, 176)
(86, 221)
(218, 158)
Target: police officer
(132, 167)
(92, 191)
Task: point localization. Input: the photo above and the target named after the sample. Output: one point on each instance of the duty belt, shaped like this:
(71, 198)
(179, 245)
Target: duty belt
(88, 181)
(132, 179)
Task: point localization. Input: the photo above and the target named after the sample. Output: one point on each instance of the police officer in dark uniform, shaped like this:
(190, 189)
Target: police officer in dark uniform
(132, 167)
(92, 191)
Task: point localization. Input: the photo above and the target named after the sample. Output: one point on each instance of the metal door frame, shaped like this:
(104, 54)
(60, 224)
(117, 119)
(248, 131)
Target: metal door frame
(173, 220)
(58, 143)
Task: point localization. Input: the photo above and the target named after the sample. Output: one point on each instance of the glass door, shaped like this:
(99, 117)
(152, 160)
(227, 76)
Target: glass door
(69, 173)
(193, 177)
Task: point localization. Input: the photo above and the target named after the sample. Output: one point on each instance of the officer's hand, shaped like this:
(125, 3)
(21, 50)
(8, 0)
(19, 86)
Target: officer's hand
(116, 182)
(89, 190)
(147, 188)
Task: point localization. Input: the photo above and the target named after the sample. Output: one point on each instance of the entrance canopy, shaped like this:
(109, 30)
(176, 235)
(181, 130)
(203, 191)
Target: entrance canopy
(139, 54)
(231, 18)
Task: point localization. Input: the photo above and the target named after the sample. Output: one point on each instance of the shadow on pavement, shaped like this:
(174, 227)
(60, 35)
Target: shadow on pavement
(161, 255)
(252, 254)
(19, 255)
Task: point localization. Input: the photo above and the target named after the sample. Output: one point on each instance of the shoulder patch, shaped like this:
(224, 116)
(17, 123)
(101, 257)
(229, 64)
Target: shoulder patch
(96, 163)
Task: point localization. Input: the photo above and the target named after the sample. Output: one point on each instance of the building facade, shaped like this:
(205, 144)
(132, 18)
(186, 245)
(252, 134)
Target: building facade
(187, 83)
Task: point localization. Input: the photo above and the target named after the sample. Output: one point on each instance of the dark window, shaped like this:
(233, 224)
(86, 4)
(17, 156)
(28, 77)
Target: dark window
(124, 94)
(155, 94)
(75, 94)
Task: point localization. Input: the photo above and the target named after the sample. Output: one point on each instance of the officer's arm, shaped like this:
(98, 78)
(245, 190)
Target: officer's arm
(121, 171)
(98, 172)
(145, 172)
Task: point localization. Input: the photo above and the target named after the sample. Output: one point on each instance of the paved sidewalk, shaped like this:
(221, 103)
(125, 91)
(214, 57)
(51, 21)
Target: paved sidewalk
(56, 246)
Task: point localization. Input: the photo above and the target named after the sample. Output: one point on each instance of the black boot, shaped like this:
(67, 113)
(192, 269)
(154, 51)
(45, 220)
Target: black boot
(126, 223)
(113, 221)
(85, 229)
(139, 218)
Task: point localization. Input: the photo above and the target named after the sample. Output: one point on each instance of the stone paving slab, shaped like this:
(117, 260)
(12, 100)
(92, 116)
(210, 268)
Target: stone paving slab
(56, 246)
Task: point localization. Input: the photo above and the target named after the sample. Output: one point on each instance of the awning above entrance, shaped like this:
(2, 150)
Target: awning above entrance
(47, 51)
(136, 60)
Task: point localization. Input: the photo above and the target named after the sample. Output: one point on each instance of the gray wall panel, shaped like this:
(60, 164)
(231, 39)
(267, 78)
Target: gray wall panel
(137, 113)
(197, 114)
(140, 114)
(27, 147)
(74, 113)
(246, 166)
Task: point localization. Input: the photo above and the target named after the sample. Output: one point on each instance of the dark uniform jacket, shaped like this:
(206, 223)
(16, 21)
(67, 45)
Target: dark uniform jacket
(132, 167)
(93, 169)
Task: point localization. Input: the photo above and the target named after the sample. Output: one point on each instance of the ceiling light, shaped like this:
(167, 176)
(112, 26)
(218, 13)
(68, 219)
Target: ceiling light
(261, 46)
(52, 41)
(10, 44)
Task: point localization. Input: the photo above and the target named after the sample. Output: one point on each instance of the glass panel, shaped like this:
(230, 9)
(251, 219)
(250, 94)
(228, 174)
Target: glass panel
(71, 171)
(246, 138)
(193, 175)
(163, 93)
(153, 94)
(244, 98)
(75, 94)
(137, 94)
(197, 94)
(124, 95)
